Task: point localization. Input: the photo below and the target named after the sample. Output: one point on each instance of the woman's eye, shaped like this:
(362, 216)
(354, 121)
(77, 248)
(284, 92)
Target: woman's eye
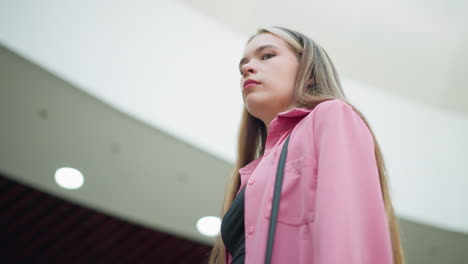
(262, 58)
(267, 54)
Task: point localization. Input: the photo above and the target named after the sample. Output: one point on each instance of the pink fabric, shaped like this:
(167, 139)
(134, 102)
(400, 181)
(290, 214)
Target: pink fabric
(331, 209)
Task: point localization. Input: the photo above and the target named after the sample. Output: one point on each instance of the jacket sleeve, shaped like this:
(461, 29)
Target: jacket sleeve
(350, 223)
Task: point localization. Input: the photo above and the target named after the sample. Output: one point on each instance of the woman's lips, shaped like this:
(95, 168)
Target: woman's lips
(250, 85)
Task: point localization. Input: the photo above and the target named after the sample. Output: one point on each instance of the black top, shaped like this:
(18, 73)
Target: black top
(232, 229)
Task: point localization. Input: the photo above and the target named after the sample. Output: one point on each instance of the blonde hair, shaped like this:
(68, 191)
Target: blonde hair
(316, 81)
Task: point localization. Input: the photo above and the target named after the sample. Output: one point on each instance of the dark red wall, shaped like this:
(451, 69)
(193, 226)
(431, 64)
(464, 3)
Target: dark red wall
(36, 227)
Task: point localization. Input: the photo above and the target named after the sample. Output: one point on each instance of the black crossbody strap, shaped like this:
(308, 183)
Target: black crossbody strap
(276, 201)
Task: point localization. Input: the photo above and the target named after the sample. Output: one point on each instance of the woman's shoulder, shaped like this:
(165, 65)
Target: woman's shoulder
(329, 107)
(332, 104)
(336, 113)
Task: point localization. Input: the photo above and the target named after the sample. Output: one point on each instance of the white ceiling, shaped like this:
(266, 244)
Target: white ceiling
(172, 65)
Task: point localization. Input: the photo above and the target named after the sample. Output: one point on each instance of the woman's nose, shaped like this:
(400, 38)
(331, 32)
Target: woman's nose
(247, 68)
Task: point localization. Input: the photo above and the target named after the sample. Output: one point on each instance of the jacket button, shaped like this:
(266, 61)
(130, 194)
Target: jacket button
(251, 181)
(250, 230)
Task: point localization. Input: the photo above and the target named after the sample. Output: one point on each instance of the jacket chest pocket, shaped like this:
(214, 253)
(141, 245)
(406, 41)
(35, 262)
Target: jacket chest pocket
(296, 206)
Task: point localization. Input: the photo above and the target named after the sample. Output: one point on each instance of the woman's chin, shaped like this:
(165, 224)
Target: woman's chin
(256, 104)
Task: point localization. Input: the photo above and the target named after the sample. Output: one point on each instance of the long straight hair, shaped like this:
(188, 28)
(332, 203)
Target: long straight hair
(316, 81)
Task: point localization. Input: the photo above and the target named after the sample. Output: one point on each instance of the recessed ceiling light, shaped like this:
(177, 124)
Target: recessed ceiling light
(209, 225)
(69, 178)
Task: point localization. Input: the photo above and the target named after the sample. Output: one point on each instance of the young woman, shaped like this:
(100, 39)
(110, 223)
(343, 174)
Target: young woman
(335, 202)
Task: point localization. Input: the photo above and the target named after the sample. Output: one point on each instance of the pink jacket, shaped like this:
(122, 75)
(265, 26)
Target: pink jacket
(331, 209)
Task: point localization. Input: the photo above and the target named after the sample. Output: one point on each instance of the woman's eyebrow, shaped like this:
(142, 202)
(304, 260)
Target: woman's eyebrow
(258, 50)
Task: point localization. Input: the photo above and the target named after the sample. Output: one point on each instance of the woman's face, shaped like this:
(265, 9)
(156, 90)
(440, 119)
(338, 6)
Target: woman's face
(275, 67)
